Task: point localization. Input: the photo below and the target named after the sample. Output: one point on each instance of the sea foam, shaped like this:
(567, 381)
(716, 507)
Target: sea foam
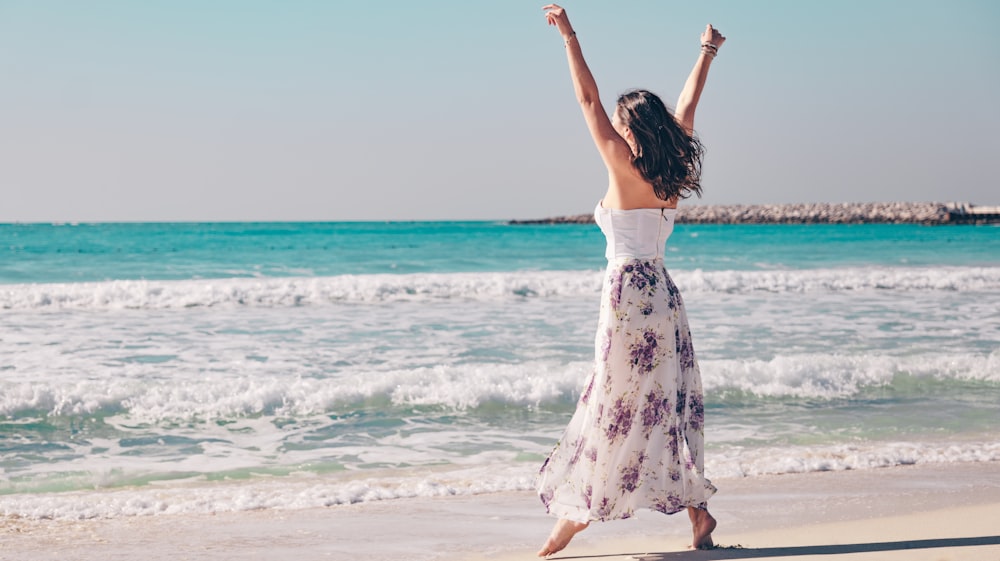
(461, 387)
(308, 291)
(312, 491)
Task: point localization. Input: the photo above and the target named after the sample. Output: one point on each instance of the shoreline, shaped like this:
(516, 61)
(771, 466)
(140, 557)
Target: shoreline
(933, 213)
(813, 515)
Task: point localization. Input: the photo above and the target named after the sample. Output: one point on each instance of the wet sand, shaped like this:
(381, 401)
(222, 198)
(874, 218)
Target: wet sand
(933, 512)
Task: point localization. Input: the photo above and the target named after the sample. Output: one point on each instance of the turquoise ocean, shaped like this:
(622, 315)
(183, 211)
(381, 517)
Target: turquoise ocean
(157, 368)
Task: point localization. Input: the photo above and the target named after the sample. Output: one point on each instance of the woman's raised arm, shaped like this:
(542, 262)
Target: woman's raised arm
(711, 40)
(613, 148)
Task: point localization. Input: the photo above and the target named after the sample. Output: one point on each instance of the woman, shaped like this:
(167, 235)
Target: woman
(636, 438)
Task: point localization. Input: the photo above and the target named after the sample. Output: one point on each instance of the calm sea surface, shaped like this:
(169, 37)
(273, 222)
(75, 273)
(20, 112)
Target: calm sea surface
(205, 367)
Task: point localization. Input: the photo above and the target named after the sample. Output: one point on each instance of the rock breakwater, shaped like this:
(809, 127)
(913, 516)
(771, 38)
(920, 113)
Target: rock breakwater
(818, 213)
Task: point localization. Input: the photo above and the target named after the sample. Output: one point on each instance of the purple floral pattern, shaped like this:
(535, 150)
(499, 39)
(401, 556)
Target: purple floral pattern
(696, 411)
(636, 439)
(590, 387)
(671, 504)
(606, 344)
(643, 351)
(621, 420)
(685, 351)
(616, 290)
(605, 509)
(579, 450)
(653, 411)
(629, 476)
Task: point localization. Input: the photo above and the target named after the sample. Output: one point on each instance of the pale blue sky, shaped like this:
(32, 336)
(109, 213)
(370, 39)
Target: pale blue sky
(335, 110)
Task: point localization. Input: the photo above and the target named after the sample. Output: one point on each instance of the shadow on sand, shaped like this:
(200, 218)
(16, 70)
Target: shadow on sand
(754, 553)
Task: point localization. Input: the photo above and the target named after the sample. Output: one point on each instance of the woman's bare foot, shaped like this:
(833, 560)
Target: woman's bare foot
(702, 525)
(560, 536)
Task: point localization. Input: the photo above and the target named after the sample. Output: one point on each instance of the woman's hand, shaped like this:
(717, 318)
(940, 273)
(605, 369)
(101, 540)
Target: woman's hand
(712, 36)
(556, 16)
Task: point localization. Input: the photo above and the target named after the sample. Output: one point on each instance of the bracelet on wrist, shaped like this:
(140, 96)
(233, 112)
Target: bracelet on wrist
(570, 37)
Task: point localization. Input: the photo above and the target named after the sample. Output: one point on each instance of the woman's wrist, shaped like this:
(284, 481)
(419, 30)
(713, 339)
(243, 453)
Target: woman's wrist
(709, 49)
(569, 36)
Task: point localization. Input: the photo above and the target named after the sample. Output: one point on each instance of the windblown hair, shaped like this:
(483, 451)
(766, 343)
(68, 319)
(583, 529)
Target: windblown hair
(665, 154)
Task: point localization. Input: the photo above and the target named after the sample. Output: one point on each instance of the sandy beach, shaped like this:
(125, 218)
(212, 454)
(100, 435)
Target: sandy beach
(934, 512)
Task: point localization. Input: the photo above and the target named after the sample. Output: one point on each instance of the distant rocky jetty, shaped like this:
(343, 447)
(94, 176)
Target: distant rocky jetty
(818, 213)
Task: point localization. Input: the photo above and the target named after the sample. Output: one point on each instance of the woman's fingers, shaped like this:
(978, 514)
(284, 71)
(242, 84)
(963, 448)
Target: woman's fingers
(554, 10)
(556, 16)
(713, 36)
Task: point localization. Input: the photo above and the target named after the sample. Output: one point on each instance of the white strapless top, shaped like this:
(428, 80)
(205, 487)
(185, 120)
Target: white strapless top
(636, 233)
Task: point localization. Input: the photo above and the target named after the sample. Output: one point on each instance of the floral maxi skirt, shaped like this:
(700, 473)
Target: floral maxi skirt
(636, 439)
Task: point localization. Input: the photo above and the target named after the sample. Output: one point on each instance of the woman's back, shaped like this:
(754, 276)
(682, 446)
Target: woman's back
(627, 189)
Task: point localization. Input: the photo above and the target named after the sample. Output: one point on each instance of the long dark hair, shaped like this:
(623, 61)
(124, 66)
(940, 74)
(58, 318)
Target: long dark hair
(665, 155)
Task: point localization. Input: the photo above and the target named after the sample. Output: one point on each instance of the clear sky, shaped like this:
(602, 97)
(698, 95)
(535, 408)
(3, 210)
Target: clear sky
(439, 109)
